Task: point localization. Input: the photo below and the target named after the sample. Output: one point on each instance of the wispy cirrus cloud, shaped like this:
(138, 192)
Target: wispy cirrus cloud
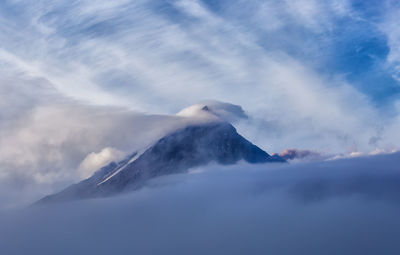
(389, 25)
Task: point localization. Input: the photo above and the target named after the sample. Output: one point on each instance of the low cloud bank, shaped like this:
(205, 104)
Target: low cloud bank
(348, 206)
(294, 155)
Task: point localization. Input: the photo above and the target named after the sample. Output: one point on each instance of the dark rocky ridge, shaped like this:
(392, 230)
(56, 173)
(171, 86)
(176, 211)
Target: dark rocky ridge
(190, 147)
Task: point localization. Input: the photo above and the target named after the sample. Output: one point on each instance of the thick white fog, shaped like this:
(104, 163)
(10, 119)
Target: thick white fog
(348, 206)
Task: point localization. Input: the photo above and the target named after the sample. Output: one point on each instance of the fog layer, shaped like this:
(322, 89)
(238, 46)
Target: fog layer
(348, 206)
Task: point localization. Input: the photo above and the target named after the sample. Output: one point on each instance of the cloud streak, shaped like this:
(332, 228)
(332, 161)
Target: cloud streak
(156, 57)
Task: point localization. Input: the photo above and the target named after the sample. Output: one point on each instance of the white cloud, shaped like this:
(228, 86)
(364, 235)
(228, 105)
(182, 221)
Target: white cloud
(44, 137)
(390, 26)
(94, 161)
(211, 109)
(48, 141)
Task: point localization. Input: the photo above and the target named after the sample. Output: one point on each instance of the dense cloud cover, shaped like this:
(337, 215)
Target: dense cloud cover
(347, 206)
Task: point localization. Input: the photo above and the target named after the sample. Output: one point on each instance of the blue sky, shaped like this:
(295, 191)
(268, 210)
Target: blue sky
(346, 38)
(349, 42)
(353, 45)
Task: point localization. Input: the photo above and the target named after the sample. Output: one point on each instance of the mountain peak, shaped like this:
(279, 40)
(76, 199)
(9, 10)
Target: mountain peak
(188, 147)
(214, 111)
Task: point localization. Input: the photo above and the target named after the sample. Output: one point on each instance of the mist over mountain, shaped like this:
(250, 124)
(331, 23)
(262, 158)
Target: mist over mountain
(211, 140)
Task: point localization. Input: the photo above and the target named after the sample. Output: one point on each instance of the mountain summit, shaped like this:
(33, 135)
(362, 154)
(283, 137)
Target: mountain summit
(194, 145)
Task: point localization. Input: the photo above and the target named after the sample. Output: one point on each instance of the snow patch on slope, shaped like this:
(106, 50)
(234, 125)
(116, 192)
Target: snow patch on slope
(120, 168)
